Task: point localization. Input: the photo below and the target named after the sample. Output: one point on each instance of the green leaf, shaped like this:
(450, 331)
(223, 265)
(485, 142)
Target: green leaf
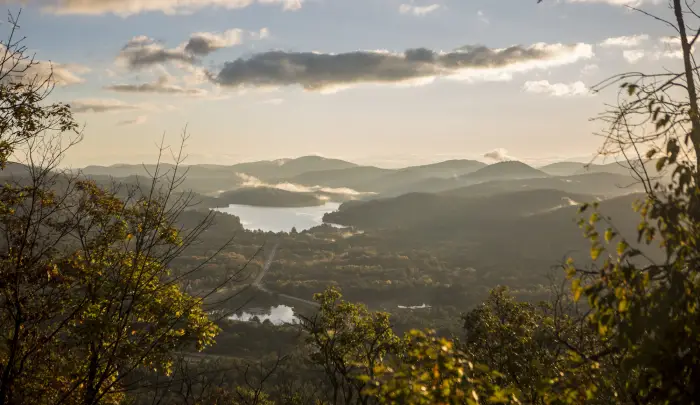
(609, 234)
(596, 250)
(623, 305)
(622, 247)
(576, 289)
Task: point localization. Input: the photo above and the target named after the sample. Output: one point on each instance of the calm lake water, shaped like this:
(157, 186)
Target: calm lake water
(278, 315)
(274, 219)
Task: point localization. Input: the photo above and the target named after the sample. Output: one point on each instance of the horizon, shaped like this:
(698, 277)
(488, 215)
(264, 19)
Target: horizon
(485, 161)
(420, 81)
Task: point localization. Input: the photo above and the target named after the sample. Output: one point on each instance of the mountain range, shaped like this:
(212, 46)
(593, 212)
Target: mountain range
(314, 173)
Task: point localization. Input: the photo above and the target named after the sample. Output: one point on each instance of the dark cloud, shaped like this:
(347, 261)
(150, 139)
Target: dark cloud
(142, 51)
(315, 71)
(204, 43)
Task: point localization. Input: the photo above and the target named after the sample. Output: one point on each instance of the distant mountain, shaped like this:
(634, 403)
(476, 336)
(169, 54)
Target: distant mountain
(497, 171)
(288, 168)
(13, 169)
(354, 177)
(605, 185)
(402, 179)
(506, 171)
(447, 168)
(375, 179)
(622, 168)
(211, 179)
(268, 197)
(564, 168)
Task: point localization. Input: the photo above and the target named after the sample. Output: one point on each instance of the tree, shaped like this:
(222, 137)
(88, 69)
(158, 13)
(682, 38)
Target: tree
(347, 342)
(517, 340)
(646, 310)
(87, 295)
(24, 86)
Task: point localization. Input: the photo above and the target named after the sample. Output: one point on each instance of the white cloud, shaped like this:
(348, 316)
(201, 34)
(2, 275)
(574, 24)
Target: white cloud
(315, 71)
(131, 7)
(499, 155)
(633, 55)
(556, 89)
(674, 41)
(418, 10)
(262, 34)
(61, 74)
(590, 69)
(482, 17)
(625, 41)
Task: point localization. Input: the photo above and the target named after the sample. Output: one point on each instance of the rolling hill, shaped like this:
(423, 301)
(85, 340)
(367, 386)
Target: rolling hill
(268, 197)
(605, 185)
(285, 168)
(379, 180)
(505, 171)
(353, 177)
(498, 171)
(449, 211)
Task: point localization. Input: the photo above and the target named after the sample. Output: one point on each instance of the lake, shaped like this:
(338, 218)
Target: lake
(278, 315)
(278, 219)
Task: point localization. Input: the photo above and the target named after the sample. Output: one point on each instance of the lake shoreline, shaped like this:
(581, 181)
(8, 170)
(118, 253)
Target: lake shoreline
(279, 219)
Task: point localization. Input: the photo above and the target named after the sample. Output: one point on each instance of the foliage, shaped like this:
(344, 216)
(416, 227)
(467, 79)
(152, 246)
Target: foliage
(433, 371)
(347, 342)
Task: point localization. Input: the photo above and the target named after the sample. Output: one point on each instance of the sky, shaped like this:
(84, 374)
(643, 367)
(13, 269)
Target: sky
(384, 82)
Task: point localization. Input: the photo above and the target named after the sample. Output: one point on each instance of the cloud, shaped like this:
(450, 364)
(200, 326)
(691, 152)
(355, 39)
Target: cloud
(482, 17)
(126, 8)
(418, 10)
(110, 105)
(625, 41)
(320, 71)
(556, 89)
(163, 86)
(134, 121)
(632, 3)
(672, 48)
(251, 181)
(204, 43)
(61, 74)
(499, 155)
(96, 105)
(590, 69)
(633, 55)
(142, 51)
(674, 41)
(262, 34)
